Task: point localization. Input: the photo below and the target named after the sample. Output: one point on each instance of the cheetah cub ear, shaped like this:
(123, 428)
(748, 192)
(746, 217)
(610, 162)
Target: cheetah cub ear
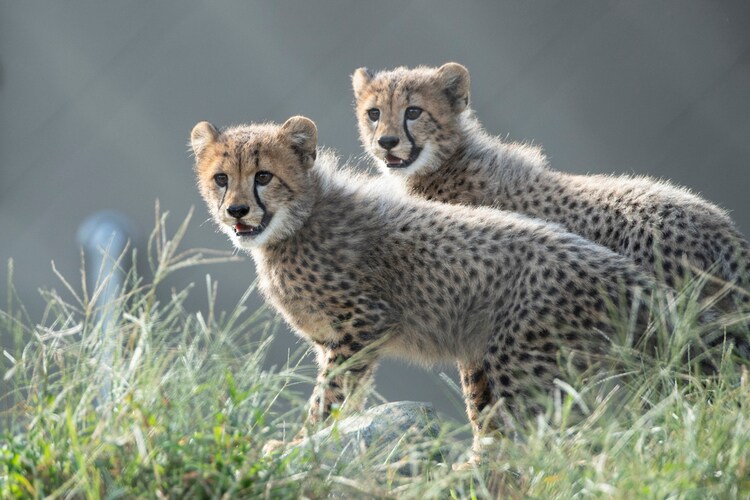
(303, 135)
(360, 79)
(203, 134)
(455, 80)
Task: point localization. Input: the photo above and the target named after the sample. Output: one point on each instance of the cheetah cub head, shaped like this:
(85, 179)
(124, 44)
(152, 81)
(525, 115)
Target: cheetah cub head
(409, 119)
(254, 177)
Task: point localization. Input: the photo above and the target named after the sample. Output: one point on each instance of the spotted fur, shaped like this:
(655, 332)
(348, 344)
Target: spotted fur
(361, 271)
(667, 230)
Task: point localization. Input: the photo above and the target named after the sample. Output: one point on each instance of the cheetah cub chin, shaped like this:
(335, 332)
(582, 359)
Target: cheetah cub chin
(417, 126)
(361, 271)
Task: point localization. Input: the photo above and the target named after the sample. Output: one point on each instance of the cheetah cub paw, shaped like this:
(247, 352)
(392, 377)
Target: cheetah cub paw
(473, 462)
(273, 445)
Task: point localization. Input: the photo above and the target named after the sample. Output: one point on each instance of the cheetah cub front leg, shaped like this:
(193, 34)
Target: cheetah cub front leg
(344, 374)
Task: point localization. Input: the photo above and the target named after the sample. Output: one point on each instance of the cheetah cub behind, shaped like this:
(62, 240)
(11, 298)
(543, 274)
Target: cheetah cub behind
(417, 125)
(361, 271)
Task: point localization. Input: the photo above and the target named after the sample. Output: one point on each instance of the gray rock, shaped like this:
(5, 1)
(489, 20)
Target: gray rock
(400, 436)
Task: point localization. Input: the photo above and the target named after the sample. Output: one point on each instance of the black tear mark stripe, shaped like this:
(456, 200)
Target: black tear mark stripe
(415, 151)
(255, 191)
(221, 202)
(257, 198)
(225, 188)
(266, 214)
(408, 135)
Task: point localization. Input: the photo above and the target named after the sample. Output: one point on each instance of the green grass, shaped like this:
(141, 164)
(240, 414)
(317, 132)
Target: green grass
(160, 402)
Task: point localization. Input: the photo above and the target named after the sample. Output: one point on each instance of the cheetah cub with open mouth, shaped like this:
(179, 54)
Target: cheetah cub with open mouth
(417, 125)
(361, 271)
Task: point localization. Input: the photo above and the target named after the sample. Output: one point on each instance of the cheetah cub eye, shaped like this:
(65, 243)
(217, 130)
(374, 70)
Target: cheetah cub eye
(221, 180)
(413, 112)
(373, 114)
(262, 178)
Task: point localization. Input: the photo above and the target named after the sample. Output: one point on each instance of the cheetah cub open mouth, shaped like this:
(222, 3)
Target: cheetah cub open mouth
(241, 229)
(392, 161)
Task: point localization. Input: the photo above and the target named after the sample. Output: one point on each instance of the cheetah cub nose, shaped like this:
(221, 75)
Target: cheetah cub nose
(238, 211)
(388, 141)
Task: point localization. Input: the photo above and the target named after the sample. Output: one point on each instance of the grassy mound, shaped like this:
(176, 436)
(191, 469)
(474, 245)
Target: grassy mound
(139, 398)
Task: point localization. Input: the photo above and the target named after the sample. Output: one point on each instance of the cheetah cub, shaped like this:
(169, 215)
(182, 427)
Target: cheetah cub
(361, 271)
(417, 125)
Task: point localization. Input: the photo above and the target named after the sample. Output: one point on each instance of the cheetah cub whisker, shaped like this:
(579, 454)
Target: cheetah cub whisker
(361, 271)
(417, 126)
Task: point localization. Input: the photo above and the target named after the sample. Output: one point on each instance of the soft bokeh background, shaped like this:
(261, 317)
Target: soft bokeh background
(97, 100)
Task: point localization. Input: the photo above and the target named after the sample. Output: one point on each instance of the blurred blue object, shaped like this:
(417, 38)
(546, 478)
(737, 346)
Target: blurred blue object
(104, 237)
